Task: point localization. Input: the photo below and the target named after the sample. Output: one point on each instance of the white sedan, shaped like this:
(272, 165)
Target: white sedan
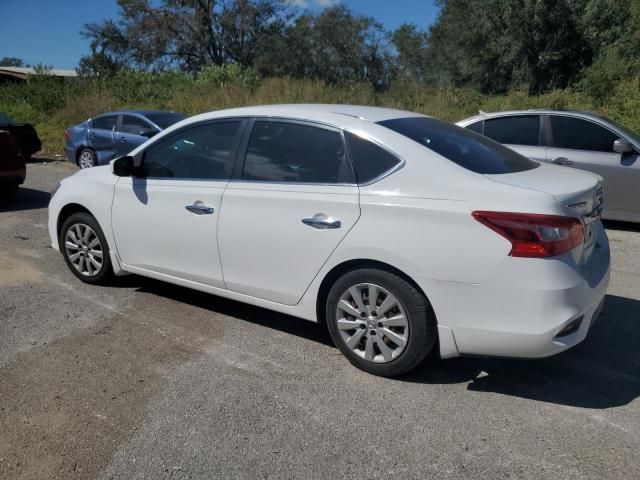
(402, 233)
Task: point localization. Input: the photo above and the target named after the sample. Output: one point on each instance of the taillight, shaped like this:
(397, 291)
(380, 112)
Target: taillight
(67, 134)
(534, 235)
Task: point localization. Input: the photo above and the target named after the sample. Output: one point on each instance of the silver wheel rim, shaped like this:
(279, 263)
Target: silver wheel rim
(373, 323)
(86, 159)
(84, 249)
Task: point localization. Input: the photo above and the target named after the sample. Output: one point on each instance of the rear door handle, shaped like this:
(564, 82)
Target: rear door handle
(561, 161)
(321, 221)
(200, 209)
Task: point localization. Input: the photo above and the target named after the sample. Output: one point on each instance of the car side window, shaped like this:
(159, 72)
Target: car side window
(514, 130)
(286, 152)
(369, 160)
(134, 125)
(203, 152)
(577, 134)
(475, 127)
(108, 122)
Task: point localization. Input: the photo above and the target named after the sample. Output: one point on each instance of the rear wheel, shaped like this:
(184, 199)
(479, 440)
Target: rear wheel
(85, 249)
(380, 322)
(87, 158)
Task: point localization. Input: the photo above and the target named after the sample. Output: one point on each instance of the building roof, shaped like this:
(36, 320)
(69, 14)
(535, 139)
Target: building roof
(23, 72)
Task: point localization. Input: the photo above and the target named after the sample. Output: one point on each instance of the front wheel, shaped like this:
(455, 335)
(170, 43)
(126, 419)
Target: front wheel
(380, 322)
(85, 248)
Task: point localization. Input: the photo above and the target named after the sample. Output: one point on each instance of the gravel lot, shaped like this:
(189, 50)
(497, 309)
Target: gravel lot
(148, 380)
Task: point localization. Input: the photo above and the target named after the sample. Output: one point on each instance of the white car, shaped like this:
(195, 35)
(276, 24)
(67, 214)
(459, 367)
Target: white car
(401, 232)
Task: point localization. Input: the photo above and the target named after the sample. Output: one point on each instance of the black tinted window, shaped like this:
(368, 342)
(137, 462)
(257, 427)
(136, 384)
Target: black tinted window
(295, 153)
(579, 134)
(134, 125)
(475, 127)
(202, 152)
(519, 130)
(165, 119)
(369, 160)
(105, 123)
(464, 147)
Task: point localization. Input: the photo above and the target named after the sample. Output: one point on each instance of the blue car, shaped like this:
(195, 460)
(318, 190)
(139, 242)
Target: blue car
(114, 134)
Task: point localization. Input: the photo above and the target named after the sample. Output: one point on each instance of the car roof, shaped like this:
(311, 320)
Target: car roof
(138, 112)
(369, 114)
(536, 111)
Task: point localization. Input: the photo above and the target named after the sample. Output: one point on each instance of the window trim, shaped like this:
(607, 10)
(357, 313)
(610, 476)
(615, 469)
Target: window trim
(541, 125)
(233, 153)
(236, 177)
(549, 135)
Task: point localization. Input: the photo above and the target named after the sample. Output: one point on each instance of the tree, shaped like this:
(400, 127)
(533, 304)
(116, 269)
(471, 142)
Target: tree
(185, 34)
(11, 62)
(411, 46)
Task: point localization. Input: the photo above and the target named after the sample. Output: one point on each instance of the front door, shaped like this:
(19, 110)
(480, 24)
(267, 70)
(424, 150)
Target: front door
(133, 131)
(293, 202)
(583, 144)
(165, 220)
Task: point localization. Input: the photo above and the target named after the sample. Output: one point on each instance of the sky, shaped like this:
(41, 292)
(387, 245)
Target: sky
(48, 31)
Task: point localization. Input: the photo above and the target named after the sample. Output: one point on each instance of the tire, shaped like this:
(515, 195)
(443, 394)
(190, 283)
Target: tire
(84, 245)
(377, 347)
(87, 158)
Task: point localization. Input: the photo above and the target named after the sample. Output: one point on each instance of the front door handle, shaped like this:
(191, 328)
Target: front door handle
(200, 209)
(561, 161)
(322, 222)
(123, 139)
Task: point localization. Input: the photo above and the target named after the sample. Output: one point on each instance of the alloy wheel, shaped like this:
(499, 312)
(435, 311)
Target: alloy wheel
(84, 249)
(86, 159)
(372, 322)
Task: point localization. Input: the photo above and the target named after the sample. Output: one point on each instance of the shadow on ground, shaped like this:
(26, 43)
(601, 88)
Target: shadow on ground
(602, 372)
(26, 199)
(624, 226)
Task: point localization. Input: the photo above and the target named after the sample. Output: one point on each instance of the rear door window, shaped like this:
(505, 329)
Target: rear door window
(459, 145)
(369, 160)
(516, 130)
(475, 127)
(285, 152)
(108, 122)
(577, 134)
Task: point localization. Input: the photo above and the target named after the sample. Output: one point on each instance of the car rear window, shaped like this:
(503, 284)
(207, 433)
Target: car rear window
(464, 147)
(164, 120)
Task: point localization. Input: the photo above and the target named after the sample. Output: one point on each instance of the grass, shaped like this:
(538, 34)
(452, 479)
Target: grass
(53, 105)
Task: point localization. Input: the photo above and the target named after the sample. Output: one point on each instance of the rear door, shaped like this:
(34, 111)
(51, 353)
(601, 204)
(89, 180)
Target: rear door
(584, 144)
(288, 207)
(102, 132)
(521, 133)
(133, 131)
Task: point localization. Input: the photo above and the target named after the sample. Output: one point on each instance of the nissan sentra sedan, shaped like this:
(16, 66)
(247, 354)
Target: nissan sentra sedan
(399, 232)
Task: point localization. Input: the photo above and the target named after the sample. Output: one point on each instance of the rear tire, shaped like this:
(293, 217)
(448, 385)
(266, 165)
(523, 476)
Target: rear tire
(87, 158)
(85, 249)
(387, 335)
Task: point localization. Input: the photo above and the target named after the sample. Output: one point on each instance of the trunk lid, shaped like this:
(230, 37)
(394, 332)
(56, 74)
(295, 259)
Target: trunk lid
(578, 193)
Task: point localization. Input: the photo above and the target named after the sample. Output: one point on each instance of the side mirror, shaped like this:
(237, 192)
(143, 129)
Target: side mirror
(622, 146)
(147, 132)
(123, 166)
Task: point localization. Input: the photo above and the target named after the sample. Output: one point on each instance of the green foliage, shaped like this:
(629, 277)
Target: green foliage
(218, 76)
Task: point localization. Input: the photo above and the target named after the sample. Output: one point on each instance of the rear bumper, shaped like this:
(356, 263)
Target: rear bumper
(13, 176)
(71, 154)
(530, 308)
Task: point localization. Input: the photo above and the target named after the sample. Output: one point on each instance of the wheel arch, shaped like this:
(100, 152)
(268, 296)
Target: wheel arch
(68, 210)
(356, 264)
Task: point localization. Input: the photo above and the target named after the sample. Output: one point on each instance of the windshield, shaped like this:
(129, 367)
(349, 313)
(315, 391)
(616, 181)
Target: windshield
(165, 119)
(464, 147)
